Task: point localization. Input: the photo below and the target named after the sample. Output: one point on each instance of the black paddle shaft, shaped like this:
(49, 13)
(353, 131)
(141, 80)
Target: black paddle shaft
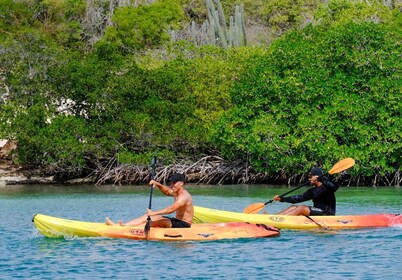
(286, 193)
(152, 177)
(151, 187)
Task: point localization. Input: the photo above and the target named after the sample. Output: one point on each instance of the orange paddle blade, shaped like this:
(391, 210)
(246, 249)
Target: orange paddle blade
(342, 165)
(254, 208)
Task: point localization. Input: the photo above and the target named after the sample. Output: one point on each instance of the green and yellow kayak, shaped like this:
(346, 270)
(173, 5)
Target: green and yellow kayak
(208, 215)
(61, 228)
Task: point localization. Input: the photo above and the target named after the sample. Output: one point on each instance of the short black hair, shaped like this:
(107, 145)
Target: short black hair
(177, 177)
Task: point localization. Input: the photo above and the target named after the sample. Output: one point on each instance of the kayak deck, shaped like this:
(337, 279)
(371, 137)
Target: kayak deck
(208, 215)
(54, 227)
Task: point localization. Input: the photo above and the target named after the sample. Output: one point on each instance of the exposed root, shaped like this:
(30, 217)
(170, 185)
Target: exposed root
(208, 170)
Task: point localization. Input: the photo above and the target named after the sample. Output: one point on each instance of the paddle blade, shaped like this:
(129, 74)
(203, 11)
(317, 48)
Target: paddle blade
(147, 227)
(254, 208)
(342, 165)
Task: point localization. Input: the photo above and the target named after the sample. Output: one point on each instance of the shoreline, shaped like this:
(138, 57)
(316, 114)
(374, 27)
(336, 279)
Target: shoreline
(12, 174)
(18, 179)
(206, 171)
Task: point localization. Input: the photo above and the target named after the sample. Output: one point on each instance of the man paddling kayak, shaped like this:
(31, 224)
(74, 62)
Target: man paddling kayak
(182, 205)
(322, 194)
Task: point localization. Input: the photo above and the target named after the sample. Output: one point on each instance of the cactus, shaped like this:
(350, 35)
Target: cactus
(214, 30)
(219, 33)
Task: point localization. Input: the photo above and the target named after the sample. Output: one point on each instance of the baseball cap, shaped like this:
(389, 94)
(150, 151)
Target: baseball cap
(316, 171)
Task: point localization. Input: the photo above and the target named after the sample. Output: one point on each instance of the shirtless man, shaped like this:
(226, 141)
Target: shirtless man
(182, 205)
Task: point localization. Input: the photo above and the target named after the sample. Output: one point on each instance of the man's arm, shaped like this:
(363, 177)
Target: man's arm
(298, 197)
(331, 185)
(164, 189)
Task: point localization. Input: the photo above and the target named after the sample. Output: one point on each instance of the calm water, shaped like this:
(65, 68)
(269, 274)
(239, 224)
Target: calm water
(350, 254)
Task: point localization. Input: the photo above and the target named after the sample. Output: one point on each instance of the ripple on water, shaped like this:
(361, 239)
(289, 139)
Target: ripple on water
(26, 254)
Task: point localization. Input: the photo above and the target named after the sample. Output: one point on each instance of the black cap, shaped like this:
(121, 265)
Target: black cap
(177, 177)
(316, 171)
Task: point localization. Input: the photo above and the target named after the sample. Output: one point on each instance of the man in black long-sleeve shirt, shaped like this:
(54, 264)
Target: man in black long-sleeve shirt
(322, 194)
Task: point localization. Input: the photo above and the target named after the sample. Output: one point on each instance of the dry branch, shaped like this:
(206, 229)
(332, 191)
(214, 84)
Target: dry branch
(208, 170)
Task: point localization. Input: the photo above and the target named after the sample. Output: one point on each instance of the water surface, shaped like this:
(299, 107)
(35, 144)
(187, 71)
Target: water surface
(350, 254)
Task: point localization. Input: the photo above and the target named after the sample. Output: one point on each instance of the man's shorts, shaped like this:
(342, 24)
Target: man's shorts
(314, 211)
(177, 223)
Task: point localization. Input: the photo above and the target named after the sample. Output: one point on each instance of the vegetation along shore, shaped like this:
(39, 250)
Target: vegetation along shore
(226, 91)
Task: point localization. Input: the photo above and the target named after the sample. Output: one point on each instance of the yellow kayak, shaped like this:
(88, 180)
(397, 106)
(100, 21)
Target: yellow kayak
(208, 215)
(62, 228)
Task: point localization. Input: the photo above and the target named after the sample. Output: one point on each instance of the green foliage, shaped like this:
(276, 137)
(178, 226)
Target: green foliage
(43, 140)
(61, 143)
(126, 157)
(83, 82)
(26, 61)
(58, 19)
(344, 11)
(286, 14)
(320, 95)
(61, 19)
(141, 27)
(191, 94)
(132, 111)
(14, 15)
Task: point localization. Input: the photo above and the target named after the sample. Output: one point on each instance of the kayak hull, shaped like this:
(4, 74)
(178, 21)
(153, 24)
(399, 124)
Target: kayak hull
(54, 227)
(208, 215)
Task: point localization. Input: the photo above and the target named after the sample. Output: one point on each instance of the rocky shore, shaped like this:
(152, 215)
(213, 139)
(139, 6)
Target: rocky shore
(12, 174)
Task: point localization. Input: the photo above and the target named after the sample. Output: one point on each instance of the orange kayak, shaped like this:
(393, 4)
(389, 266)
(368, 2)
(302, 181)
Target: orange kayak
(209, 215)
(61, 228)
